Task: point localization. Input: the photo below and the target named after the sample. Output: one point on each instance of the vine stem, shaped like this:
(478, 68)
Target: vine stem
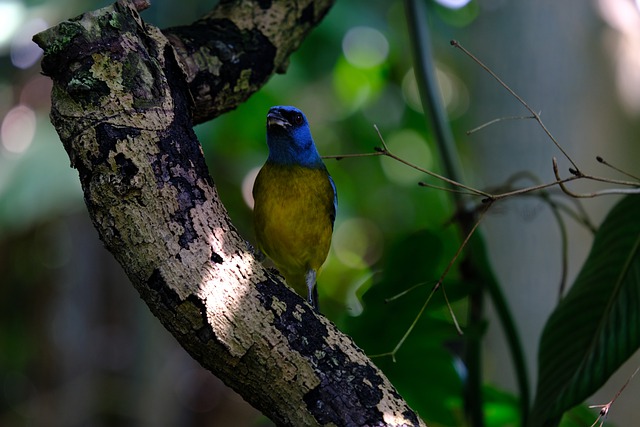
(435, 114)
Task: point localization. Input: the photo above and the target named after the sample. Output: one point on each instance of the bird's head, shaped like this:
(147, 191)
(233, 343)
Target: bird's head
(289, 138)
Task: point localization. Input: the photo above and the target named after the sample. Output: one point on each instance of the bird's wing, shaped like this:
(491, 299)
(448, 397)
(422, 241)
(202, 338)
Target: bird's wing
(335, 200)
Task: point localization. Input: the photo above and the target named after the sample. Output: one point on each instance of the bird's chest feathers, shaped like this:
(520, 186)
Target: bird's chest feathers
(293, 205)
(293, 195)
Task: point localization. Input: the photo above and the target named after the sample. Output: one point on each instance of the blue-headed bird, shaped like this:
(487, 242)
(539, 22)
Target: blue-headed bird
(295, 202)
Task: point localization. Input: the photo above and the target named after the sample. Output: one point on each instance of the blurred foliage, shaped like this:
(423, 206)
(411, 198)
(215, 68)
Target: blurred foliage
(70, 325)
(428, 356)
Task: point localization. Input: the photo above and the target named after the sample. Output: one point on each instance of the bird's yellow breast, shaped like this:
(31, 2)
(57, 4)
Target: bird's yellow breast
(293, 216)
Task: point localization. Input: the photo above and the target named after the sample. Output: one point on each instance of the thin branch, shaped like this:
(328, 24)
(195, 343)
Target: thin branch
(494, 121)
(561, 181)
(536, 115)
(353, 155)
(604, 411)
(393, 352)
(451, 190)
(523, 191)
(405, 292)
(579, 215)
(545, 196)
(490, 196)
(386, 152)
(436, 287)
(608, 191)
(610, 180)
(604, 162)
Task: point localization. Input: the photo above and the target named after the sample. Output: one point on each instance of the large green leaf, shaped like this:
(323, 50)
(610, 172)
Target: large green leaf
(596, 327)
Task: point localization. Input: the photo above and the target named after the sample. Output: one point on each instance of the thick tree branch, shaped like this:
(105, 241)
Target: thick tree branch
(232, 51)
(122, 105)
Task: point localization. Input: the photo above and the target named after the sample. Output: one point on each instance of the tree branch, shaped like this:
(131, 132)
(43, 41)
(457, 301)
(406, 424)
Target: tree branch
(232, 51)
(124, 102)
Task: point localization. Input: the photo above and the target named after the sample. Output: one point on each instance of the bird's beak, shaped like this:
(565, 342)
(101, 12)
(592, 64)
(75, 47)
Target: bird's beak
(274, 118)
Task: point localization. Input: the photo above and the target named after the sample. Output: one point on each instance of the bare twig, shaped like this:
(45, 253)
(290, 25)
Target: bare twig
(579, 215)
(535, 115)
(385, 150)
(604, 409)
(393, 352)
(405, 292)
(350, 156)
(525, 190)
(451, 190)
(494, 121)
(436, 287)
(608, 191)
(492, 197)
(604, 162)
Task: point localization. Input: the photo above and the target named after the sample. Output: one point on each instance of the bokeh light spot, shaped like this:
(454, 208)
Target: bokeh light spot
(24, 52)
(454, 94)
(357, 242)
(352, 86)
(11, 16)
(623, 46)
(18, 129)
(453, 4)
(36, 93)
(365, 47)
(411, 146)
(410, 91)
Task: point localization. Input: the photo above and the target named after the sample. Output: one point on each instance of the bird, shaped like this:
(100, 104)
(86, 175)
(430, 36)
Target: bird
(295, 202)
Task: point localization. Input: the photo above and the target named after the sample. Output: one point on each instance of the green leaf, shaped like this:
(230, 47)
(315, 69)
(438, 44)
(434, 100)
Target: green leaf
(596, 327)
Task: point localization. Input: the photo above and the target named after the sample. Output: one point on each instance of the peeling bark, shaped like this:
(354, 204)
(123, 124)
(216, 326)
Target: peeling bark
(125, 98)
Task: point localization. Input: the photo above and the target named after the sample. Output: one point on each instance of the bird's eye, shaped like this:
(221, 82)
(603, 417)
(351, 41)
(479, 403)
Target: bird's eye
(297, 119)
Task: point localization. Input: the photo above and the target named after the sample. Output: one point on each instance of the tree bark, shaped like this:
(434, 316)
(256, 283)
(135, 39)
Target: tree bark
(124, 101)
